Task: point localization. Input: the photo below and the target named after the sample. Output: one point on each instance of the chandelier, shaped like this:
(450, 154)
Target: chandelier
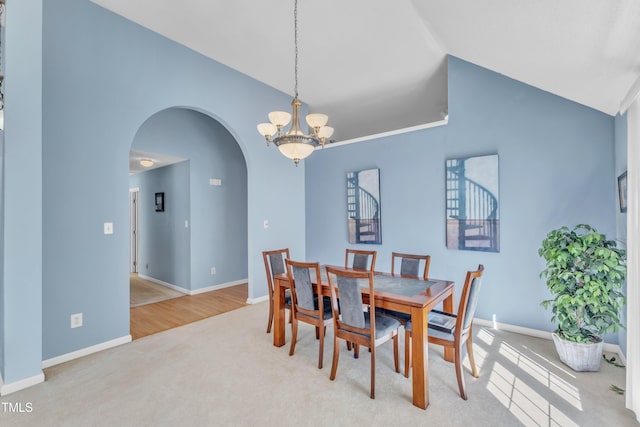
(294, 143)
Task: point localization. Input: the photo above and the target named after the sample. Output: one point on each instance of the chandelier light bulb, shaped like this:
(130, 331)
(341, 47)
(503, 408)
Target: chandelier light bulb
(316, 121)
(296, 151)
(325, 132)
(279, 118)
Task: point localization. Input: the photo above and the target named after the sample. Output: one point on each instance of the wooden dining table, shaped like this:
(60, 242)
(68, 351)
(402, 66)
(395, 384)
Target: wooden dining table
(407, 295)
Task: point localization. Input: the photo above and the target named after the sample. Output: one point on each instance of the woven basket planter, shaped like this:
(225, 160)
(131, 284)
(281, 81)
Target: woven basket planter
(580, 357)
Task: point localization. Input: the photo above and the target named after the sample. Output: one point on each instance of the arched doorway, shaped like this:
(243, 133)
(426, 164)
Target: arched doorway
(195, 240)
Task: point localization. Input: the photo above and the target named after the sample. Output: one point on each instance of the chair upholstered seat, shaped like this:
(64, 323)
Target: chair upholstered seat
(326, 314)
(435, 331)
(384, 325)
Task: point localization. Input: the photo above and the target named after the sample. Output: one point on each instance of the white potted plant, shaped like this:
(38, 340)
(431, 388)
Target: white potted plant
(584, 272)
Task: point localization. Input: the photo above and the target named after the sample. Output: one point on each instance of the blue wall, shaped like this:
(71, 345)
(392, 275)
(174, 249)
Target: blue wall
(556, 168)
(103, 78)
(164, 240)
(21, 282)
(218, 214)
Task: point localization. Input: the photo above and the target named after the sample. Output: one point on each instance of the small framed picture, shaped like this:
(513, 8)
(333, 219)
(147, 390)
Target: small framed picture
(159, 202)
(622, 191)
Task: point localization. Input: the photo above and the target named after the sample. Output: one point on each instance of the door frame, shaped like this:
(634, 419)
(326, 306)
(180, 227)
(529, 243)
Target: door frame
(134, 238)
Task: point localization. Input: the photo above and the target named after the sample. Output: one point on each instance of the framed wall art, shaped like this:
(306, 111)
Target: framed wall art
(622, 191)
(363, 206)
(159, 202)
(472, 205)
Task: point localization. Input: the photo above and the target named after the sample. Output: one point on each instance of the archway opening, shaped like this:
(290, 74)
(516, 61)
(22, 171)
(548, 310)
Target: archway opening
(188, 192)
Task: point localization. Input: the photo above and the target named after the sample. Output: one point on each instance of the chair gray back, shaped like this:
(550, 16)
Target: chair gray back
(472, 301)
(303, 287)
(277, 264)
(360, 261)
(350, 301)
(410, 267)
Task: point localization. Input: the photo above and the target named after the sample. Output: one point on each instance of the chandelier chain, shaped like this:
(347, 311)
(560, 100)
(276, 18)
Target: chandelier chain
(295, 42)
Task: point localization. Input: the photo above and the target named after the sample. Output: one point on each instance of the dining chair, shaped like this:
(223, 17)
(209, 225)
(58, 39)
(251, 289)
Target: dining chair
(305, 304)
(409, 267)
(274, 265)
(360, 259)
(454, 330)
(354, 323)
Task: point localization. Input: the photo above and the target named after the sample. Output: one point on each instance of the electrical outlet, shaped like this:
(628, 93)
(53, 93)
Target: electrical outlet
(213, 271)
(265, 223)
(76, 320)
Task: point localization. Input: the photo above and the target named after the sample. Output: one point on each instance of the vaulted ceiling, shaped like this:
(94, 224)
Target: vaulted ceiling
(377, 65)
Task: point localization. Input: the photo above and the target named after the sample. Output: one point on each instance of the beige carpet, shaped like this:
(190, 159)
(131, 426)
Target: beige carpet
(224, 371)
(146, 292)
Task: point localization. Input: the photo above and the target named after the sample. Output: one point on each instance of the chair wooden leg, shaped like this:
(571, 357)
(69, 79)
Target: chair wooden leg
(321, 330)
(395, 353)
(472, 361)
(356, 351)
(294, 336)
(373, 372)
(459, 372)
(270, 316)
(317, 333)
(407, 353)
(334, 363)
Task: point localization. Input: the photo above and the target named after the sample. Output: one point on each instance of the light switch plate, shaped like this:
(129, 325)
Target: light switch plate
(108, 228)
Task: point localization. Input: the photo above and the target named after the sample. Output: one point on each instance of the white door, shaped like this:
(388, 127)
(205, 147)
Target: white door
(133, 227)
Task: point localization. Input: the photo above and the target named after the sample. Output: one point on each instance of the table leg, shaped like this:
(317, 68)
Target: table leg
(447, 306)
(420, 357)
(278, 314)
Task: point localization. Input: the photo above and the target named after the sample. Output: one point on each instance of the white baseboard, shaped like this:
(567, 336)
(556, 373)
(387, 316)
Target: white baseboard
(85, 351)
(257, 300)
(168, 285)
(216, 287)
(195, 291)
(611, 348)
(20, 385)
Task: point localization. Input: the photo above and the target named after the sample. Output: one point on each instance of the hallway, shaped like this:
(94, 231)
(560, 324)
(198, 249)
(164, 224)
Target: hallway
(157, 317)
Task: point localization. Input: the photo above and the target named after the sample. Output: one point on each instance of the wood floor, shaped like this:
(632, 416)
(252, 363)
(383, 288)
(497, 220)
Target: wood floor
(157, 317)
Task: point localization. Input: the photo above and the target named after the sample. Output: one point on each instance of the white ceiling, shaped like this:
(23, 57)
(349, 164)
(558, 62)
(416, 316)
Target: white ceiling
(379, 65)
(159, 160)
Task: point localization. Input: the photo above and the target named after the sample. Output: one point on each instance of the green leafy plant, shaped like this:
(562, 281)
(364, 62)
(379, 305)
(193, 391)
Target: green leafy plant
(584, 272)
